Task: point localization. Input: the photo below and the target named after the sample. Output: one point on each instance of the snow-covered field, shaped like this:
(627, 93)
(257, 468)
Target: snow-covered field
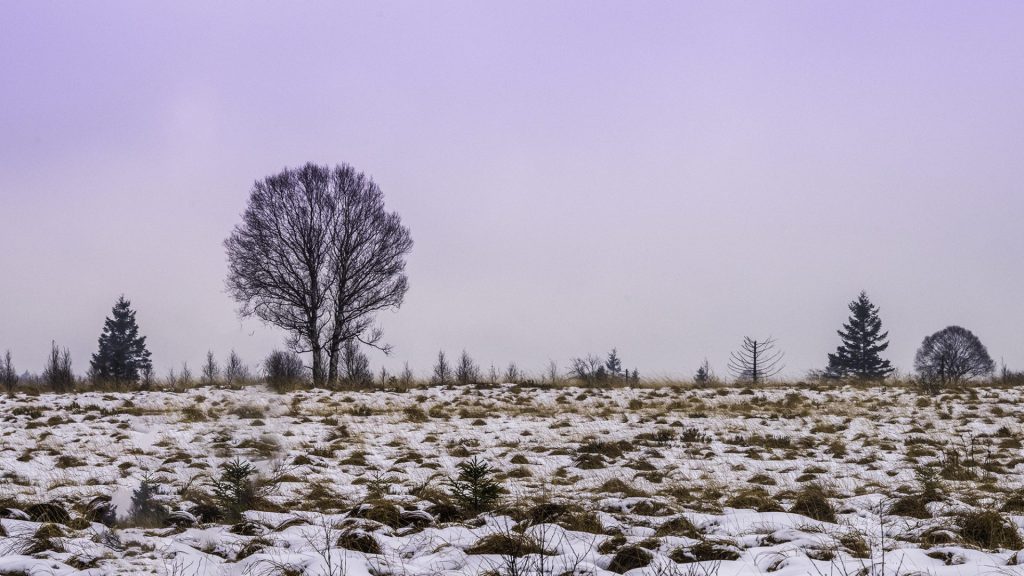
(782, 480)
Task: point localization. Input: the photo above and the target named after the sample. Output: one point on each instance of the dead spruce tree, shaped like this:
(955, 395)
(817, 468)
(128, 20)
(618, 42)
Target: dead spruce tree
(317, 255)
(756, 360)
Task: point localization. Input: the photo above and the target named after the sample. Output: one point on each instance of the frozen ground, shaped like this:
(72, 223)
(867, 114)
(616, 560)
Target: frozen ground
(786, 480)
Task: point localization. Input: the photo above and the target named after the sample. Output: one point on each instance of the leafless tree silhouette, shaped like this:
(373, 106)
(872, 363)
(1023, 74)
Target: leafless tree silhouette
(57, 373)
(951, 355)
(368, 262)
(756, 360)
(8, 375)
(317, 255)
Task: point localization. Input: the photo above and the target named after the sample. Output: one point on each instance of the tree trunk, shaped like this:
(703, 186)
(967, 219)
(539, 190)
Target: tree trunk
(318, 367)
(333, 356)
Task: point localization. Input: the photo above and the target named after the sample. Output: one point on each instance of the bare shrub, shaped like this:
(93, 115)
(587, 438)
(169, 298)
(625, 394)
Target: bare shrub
(284, 370)
(235, 371)
(467, 372)
(58, 374)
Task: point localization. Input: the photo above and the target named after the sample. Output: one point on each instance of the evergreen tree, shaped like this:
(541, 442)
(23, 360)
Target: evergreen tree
(122, 353)
(475, 489)
(613, 365)
(863, 340)
(703, 375)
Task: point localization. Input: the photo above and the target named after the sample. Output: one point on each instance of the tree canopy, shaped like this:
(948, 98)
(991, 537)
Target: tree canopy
(317, 254)
(952, 355)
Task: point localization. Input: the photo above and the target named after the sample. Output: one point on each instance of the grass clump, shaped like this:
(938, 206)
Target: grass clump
(50, 512)
(678, 526)
(618, 486)
(706, 550)
(812, 501)
(989, 529)
(915, 505)
(756, 498)
(855, 544)
(1014, 502)
(48, 537)
(569, 517)
(507, 544)
(382, 511)
(359, 541)
(629, 558)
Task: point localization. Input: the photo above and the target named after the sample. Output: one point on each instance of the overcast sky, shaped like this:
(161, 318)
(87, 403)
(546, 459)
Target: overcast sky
(661, 177)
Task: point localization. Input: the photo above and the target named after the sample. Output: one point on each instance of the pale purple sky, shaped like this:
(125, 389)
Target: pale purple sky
(664, 177)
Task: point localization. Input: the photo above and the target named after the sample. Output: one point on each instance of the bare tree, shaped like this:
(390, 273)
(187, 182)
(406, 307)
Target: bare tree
(235, 371)
(57, 373)
(368, 262)
(355, 366)
(951, 355)
(589, 370)
(406, 379)
(184, 377)
(552, 373)
(513, 375)
(442, 371)
(8, 375)
(211, 371)
(467, 371)
(317, 255)
(279, 258)
(756, 360)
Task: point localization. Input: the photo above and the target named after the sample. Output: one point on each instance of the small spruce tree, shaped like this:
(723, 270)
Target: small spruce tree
(863, 341)
(475, 488)
(122, 354)
(147, 510)
(703, 376)
(235, 490)
(613, 364)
